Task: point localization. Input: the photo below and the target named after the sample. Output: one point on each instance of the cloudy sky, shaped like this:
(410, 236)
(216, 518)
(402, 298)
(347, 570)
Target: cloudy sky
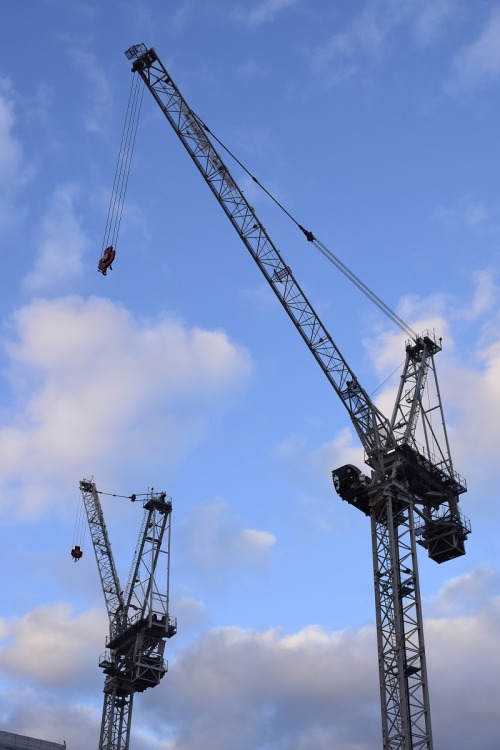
(375, 122)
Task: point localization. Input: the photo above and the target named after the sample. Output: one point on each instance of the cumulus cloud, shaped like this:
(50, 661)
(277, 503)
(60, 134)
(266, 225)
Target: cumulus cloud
(237, 688)
(241, 688)
(469, 379)
(50, 645)
(213, 542)
(465, 698)
(62, 242)
(49, 719)
(466, 593)
(94, 389)
(473, 391)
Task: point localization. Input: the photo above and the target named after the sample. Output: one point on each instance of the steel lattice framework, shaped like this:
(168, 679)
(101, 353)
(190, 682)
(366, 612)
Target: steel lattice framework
(405, 476)
(139, 621)
(399, 621)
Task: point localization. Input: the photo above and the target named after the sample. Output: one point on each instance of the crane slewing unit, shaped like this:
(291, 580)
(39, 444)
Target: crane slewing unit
(139, 620)
(412, 490)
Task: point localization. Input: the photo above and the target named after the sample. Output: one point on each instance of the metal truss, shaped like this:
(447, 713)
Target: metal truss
(406, 722)
(116, 720)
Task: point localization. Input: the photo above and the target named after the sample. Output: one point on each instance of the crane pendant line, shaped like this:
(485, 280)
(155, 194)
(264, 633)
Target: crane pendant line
(404, 474)
(369, 293)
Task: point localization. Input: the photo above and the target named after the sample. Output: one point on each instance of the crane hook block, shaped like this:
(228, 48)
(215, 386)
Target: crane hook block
(108, 257)
(76, 553)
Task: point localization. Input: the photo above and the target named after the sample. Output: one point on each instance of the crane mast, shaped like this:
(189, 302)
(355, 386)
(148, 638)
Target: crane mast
(406, 480)
(139, 621)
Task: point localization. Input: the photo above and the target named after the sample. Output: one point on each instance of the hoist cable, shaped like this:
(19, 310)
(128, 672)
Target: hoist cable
(369, 293)
(80, 524)
(122, 170)
(130, 151)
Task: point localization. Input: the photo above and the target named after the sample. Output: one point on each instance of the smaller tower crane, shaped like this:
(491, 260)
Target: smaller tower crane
(139, 621)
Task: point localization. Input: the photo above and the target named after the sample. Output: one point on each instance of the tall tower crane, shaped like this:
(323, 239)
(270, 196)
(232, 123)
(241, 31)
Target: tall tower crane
(139, 621)
(412, 490)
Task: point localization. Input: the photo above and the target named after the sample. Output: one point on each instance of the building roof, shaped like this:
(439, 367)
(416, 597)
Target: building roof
(9, 741)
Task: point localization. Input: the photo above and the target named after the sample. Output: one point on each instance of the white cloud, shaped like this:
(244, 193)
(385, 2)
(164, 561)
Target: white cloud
(250, 68)
(364, 40)
(190, 614)
(255, 544)
(99, 92)
(48, 718)
(358, 44)
(51, 644)
(239, 688)
(461, 595)
(14, 169)
(214, 542)
(319, 461)
(473, 392)
(469, 377)
(478, 63)
(95, 390)
(236, 688)
(262, 12)
(484, 299)
(464, 664)
(466, 212)
(62, 242)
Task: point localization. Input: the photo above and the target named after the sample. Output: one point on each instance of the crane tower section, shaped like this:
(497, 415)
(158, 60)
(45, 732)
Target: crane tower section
(139, 620)
(411, 475)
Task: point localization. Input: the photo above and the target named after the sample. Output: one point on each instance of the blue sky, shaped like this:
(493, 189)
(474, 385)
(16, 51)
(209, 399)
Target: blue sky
(376, 124)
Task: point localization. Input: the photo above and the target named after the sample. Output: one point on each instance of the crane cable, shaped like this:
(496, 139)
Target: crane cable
(369, 293)
(80, 529)
(122, 171)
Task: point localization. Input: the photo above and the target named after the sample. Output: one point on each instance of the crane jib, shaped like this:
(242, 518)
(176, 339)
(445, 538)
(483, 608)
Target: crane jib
(369, 422)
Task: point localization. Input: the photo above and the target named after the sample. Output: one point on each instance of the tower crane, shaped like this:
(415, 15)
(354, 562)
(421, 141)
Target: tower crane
(139, 621)
(412, 490)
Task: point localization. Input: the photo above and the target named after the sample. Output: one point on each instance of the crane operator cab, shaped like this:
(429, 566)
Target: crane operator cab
(351, 485)
(106, 260)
